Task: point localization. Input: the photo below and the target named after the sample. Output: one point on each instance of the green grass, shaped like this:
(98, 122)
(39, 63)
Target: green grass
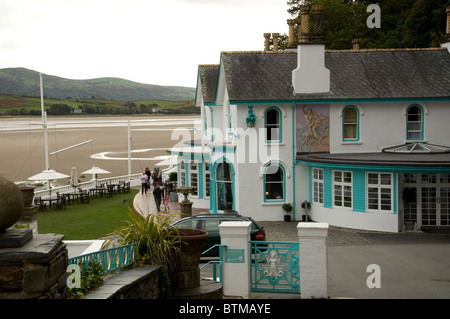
(87, 221)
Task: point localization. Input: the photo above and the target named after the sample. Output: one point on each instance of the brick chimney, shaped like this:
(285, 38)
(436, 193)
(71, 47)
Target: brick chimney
(446, 44)
(311, 75)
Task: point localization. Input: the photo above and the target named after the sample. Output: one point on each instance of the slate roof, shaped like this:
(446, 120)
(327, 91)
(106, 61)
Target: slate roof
(362, 74)
(209, 76)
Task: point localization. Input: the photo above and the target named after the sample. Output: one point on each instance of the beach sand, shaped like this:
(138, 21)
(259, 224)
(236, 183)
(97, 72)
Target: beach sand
(22, 151)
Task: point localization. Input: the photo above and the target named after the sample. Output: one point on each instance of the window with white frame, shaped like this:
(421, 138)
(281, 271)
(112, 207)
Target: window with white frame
(274, 183)
(317, 181)
(182, 174)
(350, 124)
(414, 123)
(193, 172)
(207, 178)
(380, 192)
(342, 189)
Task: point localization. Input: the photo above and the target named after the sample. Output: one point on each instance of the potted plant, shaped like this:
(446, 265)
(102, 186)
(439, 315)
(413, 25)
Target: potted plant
(306, 205)
(287, 207)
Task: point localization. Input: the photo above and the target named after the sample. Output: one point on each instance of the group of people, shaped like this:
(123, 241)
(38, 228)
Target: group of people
(158, 187)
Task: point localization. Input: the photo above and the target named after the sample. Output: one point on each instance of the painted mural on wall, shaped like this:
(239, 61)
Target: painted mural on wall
(313, 128)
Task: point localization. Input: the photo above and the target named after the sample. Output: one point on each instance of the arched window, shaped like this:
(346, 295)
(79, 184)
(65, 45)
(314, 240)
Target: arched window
(224, 186)
(274, 183)
(273, 125)
(350, 123)
(414, 123)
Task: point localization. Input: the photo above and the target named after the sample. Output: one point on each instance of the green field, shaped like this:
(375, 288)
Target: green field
(20, 105)
(93, 220)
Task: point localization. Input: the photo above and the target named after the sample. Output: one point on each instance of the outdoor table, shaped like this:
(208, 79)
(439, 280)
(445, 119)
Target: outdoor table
(95, 192)
(50, 201)
(72, 197)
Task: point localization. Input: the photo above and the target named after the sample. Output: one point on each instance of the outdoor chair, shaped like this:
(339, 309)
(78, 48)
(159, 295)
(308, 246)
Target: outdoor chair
(61, 203)
(41, 205)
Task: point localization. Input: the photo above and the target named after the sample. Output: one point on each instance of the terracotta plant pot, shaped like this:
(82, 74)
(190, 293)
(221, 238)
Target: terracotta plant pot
(192, 246)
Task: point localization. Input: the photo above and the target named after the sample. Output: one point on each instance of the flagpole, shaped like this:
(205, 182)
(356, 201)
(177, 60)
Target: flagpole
(44, 125)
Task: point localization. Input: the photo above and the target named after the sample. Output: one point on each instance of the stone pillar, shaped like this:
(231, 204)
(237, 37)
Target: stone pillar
(236, 263)
(266, 41)
(291, 43)
(313, 260)
(275, 37)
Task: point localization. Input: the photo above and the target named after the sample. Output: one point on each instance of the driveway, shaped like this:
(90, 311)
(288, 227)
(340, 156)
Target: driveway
(408, 265)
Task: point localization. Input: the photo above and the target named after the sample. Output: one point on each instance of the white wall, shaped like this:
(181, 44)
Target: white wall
(384, 124)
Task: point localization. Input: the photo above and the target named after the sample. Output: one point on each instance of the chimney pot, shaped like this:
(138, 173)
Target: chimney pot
(291, 42)
(356, 44)
(275, 37)
(304, 36)
(266, 41)
(447, 31)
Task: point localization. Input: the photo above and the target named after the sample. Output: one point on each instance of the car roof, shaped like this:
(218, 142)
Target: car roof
(226, 215)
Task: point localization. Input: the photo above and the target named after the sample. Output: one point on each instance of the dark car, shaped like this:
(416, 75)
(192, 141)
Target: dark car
(211, 222)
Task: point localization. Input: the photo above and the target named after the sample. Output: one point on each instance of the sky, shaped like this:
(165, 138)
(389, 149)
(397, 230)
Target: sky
(154, 42)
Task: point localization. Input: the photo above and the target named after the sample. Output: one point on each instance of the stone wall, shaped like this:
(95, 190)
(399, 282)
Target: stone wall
(135, 283)
(37, 270)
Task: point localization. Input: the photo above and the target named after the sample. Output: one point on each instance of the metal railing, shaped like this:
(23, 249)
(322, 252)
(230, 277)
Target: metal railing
(111, 259)
(216, 262)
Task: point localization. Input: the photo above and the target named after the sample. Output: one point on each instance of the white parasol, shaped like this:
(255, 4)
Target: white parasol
(48, 175)
(94, 171)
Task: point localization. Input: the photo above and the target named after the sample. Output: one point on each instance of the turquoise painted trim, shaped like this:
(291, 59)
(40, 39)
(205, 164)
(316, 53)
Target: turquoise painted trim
(224, 149)
(359, 191)
(200, 179)
(293, 160)
(284, 184)
(327, 187)
(280, 122)
(394, 193)
(310, 197)
(422, 116)
(343, 101)
(357, 124)
(380, 168)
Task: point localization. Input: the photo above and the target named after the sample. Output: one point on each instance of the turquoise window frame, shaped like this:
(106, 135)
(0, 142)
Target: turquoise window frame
(357, 124)
(213, 185)
(283, 184)
(422, 117)
(280, 125)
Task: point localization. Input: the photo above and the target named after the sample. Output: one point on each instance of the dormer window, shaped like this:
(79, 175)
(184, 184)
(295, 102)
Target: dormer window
(414, 123)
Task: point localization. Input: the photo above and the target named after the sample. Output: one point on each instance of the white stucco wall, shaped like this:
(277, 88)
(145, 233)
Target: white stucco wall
(384, 124)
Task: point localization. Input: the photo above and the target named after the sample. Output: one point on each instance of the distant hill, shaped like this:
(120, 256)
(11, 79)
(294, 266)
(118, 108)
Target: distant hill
(22, 81)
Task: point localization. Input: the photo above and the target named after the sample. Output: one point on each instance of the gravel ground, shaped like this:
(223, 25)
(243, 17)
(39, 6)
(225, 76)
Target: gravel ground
(287, 231)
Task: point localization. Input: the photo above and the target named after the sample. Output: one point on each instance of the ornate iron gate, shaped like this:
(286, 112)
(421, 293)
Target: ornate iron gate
(275, 267)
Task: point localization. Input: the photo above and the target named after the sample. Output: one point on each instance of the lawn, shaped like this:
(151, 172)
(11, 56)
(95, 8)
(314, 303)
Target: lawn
(87, 221)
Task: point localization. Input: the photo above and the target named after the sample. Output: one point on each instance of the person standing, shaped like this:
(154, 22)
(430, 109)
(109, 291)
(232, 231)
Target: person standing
(144, 179)
(158, 192)
(149, 174)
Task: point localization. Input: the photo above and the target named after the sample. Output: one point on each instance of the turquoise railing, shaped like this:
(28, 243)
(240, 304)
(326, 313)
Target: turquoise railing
(275, 267)
(110, 259)
(216, 262)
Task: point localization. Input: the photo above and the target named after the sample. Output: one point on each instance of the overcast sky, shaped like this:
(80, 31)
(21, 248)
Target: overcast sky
(155, 42)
